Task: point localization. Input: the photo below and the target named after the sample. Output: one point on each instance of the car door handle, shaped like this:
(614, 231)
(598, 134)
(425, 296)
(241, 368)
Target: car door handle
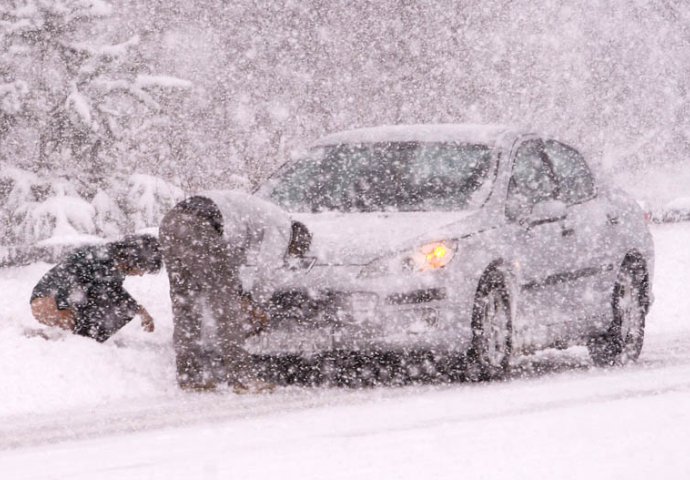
(568, 231)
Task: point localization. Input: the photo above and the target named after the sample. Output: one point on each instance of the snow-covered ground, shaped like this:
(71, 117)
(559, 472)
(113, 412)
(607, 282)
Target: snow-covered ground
(74, 409)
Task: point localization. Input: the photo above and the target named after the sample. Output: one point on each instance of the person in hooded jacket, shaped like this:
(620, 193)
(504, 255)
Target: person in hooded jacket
(85, 294)
(205, 240)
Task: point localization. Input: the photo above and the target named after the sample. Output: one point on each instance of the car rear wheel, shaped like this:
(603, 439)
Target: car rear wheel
(489, 356)
(622, 343)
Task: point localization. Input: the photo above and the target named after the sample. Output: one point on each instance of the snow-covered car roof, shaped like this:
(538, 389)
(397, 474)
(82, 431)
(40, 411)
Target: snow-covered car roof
(487, 134)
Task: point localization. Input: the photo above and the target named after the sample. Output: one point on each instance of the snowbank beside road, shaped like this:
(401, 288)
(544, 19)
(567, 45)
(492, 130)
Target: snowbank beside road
(41, 375)
(671, 310)
(630, 423)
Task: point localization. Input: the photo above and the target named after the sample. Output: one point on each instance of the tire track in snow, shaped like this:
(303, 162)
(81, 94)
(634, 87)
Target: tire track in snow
(664, 368)
(534, 394)
(176, 412)
(531, 409)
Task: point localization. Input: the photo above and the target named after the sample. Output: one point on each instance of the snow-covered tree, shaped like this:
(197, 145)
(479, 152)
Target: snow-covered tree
(95, 107)
(36, 209)
(272, 75)
(147, 199)
(40, 210)
(11, 103)
(89, 97)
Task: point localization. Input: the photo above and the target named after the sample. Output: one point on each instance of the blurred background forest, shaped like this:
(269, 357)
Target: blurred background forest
(111, 111)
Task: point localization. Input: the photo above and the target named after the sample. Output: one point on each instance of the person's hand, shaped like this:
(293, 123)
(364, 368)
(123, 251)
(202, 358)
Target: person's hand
(258, 318)
(147, 323)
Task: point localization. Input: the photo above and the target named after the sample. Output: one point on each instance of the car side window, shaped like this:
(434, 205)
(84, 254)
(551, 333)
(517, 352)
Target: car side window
(576, 183)
(531, 181)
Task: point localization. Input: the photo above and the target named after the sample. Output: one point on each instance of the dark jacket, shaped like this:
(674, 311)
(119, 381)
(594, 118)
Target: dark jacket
(89, 283)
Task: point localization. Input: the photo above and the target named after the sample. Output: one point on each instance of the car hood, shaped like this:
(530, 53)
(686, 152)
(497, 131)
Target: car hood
(358, 238)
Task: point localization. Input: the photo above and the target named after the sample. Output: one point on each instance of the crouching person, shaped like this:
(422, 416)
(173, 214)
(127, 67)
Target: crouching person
(204, 240)
(84, 293)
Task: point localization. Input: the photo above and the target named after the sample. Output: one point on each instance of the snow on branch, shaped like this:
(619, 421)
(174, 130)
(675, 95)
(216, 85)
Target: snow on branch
(105, 52)
(78, 103)
(14, 27)
(109, 86)
(11, 95)
(97, 60)
(109, 217)
(20, 182)
(149, 198)
(62, 216)
(35, 15)
(70, 9)
(138, 88)
(163, 81)
(37, 209)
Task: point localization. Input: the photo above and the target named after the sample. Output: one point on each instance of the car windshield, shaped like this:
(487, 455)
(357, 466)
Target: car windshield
(400, 176)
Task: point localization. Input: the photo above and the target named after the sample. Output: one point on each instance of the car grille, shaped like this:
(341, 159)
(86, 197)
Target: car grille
(330, 306)
(417, 296)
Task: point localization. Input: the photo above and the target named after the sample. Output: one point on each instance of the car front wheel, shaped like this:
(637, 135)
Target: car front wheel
(489, 356)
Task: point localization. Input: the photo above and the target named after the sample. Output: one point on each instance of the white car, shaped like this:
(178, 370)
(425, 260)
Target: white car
(479, 241)
(677, 210)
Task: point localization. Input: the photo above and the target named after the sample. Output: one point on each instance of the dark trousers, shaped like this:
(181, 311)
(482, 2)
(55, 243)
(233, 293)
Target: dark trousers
(205, 290)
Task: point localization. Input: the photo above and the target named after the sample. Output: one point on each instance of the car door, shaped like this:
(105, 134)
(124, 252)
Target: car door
(538, 246)
(589, 233)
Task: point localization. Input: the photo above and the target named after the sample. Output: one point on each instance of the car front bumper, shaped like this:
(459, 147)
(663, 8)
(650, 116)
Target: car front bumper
(308, 322)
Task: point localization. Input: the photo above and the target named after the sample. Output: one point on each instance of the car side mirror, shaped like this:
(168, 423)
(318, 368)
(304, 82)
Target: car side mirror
(300, 239)
(546, 212)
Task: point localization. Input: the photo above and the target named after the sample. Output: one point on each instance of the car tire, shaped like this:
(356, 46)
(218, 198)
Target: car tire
(622, 342)
(490, 352)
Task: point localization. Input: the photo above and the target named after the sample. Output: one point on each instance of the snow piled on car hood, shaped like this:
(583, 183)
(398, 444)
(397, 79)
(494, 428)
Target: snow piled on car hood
(358, 238)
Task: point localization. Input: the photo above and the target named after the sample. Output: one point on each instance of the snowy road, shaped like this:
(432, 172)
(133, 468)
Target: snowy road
(72, 409)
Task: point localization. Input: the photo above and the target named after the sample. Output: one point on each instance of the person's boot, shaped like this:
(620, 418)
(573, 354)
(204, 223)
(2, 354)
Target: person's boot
(252, 387)
(198, 386)
(245, 379)
(190, 375)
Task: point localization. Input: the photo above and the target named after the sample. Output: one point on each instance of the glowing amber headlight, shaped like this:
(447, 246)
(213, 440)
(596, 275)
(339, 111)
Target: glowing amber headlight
(426, 258)
(432, 256)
